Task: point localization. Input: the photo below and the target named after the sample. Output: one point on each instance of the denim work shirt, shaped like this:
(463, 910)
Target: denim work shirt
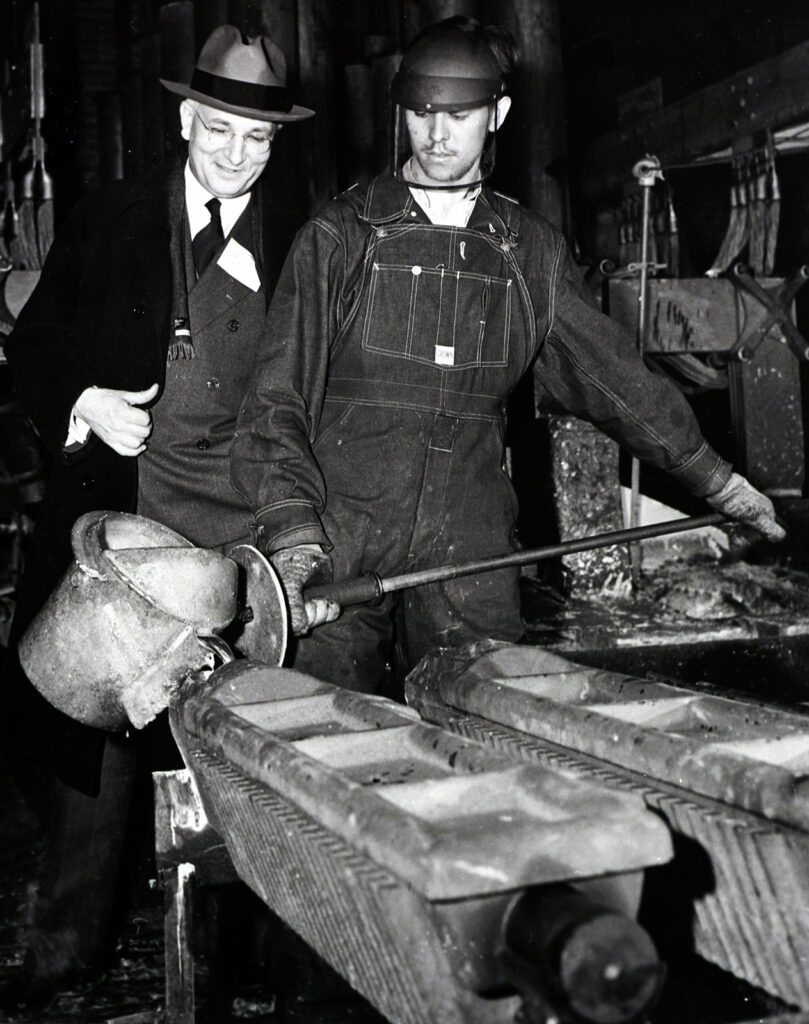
(376, 305)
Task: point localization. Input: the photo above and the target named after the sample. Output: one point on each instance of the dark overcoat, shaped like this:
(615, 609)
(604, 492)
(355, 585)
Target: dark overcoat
(100, 315)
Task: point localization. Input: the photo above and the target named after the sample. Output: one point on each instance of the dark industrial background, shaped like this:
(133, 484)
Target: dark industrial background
(593, 74)
(589, 67)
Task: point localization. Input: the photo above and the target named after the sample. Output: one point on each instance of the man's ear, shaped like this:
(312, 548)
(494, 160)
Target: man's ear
(499, 113)
(187, 110)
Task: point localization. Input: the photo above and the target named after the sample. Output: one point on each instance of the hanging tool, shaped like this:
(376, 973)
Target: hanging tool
(26, 230)
(773, 209)
(738, 229)
(27, 212)
(371, 587)
(44, 209)
(673, 244)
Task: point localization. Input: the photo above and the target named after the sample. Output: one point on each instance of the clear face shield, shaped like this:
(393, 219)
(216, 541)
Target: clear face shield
(403, 169)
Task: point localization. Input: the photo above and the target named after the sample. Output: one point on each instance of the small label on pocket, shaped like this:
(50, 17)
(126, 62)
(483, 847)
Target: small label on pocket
(445, 355)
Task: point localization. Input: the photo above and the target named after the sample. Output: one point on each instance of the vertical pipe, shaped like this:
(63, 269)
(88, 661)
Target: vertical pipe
(358, 161)
(647, 171)
(533, 142)
(111, 144)
(177, 58)
(152, 103)
(382, 71)
(315, 31)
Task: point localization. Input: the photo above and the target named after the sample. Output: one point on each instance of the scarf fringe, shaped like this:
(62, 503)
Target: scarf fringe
(181, 350)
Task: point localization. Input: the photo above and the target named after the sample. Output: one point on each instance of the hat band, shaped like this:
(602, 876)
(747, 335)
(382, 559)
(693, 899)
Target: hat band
(241, 94)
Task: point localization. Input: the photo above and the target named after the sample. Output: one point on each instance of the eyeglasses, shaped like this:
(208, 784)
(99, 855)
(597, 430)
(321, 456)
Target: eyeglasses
(255, 142)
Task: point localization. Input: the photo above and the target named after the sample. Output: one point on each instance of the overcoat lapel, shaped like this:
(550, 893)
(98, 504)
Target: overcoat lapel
(217, 293)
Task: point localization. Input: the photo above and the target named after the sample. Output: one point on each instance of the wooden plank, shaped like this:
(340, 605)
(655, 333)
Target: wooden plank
(771, 94)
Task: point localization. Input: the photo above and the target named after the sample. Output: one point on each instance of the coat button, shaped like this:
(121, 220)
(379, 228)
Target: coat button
(233, 325)
(212, 383)
(139, 311)
(88, 482)
(203, 444)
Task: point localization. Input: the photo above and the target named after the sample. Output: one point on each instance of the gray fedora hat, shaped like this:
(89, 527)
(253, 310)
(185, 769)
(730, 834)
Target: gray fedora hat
(242, 76)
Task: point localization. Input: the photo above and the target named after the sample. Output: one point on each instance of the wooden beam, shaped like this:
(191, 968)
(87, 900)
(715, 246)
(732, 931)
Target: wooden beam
(771, 94)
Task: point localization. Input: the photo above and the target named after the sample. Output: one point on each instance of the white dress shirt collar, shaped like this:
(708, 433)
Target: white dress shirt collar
(198, 216)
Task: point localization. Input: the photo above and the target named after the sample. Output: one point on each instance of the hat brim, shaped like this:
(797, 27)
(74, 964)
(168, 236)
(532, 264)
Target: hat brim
(296, 114)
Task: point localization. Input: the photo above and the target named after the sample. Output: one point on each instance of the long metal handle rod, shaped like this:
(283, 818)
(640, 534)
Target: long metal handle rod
(372, 587)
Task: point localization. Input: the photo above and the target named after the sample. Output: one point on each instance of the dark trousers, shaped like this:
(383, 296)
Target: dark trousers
(82, 894)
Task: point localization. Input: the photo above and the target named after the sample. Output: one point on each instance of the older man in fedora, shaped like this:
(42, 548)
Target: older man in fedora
(132, 357)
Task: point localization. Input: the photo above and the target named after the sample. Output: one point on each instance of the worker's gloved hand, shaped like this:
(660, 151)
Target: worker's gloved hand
(739, 500)
(298, 568)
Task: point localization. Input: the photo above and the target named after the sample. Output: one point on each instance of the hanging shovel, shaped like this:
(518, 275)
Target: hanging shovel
(27, 230)
(44, 207)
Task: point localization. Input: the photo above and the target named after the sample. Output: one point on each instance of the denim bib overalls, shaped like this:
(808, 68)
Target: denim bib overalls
(411, 439)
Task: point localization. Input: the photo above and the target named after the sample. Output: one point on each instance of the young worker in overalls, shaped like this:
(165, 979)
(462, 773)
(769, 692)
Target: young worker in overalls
(406, 313)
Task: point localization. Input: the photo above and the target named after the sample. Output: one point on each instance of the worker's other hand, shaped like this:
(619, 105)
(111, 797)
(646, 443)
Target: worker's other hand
(116, 417)
(300, 567)
(739, 500)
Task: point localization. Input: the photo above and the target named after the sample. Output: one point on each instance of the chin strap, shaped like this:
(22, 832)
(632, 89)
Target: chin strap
(467, 186)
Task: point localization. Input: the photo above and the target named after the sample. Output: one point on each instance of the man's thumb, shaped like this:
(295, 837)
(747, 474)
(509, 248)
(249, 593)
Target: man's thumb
(140, 397)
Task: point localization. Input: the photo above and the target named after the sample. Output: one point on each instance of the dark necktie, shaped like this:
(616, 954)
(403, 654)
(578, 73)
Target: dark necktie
(208, 241)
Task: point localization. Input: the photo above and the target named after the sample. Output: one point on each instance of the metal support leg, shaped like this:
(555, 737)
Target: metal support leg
(177, 935)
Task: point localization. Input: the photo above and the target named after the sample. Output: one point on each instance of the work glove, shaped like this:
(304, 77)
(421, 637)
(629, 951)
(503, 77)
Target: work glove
(300, 567)
(739, 500)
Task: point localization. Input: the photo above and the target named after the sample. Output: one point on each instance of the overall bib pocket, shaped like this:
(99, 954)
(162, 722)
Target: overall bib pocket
(453, 319)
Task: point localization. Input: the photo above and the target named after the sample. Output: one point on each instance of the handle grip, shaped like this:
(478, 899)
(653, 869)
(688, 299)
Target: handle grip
(365, 589)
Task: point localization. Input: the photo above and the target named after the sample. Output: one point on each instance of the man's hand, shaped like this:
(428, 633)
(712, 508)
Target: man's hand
(739, 500)
(298, 568)
(116, 418)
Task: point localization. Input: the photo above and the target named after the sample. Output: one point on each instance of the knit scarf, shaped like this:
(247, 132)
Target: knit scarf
(181, 345)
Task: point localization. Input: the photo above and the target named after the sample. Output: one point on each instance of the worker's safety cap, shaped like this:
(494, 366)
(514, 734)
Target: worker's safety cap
(449, 70)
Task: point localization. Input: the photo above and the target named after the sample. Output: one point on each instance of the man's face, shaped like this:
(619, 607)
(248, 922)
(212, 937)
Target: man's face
(227, 152)
(447, 145)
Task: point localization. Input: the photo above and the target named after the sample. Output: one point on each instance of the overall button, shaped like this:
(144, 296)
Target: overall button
(212, 384)
(233, 325)
(139, 310)
(203, 444)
